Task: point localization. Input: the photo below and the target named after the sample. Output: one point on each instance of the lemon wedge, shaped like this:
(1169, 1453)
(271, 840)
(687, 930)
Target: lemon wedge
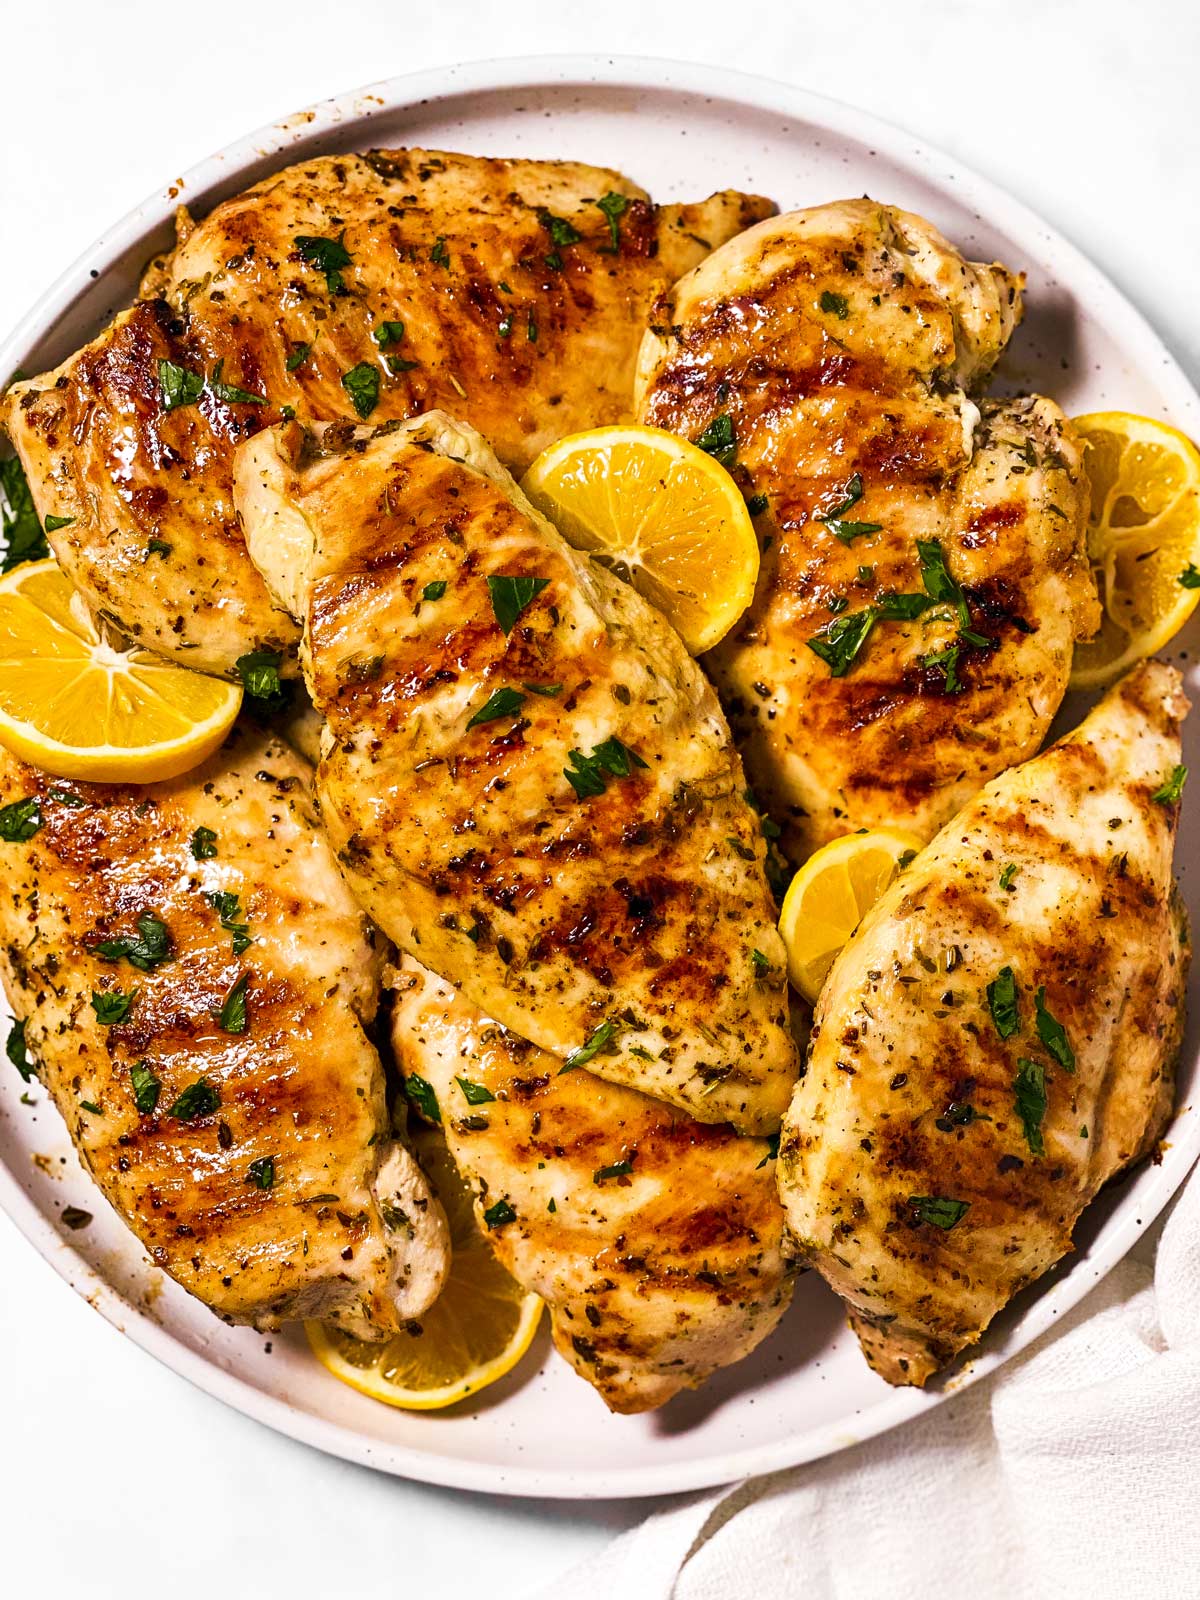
(661, 514)
(832, 893)
(75, 705)
(476, 1331)
(1143, 539)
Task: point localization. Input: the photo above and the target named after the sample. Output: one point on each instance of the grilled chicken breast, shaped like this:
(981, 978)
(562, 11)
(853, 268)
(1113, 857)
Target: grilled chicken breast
(194, 979)
(381, 285)
(528, 782)
(654, 1239)
(998, 1039)
(925, 577)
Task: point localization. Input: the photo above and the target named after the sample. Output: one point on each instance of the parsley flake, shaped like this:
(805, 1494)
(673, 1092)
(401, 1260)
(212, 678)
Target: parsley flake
(17, 1052)
(53, 524)
(1190, 576)
(1009, 875)
(1029, 1088)
(226, 904)
(259, 672)
(1169, 795)
(204, 844)
(234, 1015)
(261, 1173)
(617, 1169)
(719, 440)
(111, 1006)
(146, 1088)
(502, 703)
(20, 819)
(435, 590)
(24, 539)
(199, 1099)
(1052, 1033)
(150, 949)
(600, 1039)
(511, 594)
(835, 305)
(498, 1214)
(1004, 1003)
(587, 774)
(229, 394)
(477, 1094)
(329, 256)
(421, 1092)
(939, 1210)
(439, 255)
(177, 386)
(614, 207)
(361, 383)
(388, 333)
(298, 356)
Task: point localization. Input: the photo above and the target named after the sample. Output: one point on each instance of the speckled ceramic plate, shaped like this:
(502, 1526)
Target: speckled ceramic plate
(682, 131)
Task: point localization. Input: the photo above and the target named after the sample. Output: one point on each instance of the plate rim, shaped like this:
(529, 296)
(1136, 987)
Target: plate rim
(1154, 1185)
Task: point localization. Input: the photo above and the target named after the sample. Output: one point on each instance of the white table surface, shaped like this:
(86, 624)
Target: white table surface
(116, 1477)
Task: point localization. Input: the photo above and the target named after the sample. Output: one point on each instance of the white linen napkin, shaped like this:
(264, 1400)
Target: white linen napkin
(1073, 1471)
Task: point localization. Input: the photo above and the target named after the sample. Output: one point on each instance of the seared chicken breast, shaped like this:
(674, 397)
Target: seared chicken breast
(654, 1239)
(998, 1039)
(380, 285)
(193, 983)
(527, 781)
(924, 576)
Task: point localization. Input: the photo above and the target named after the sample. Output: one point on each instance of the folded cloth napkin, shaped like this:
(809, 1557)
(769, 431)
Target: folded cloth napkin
(1073, 1471)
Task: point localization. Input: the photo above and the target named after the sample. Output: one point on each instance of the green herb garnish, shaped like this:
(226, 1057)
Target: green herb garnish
(939, 1210)
(228, 393)
(618, 1169)
(259, 672)
(329, 256)
(1029, 1086)
(421, 1092)
(498, 1214)
(17, 1052)
(511, 594)
(388, 333)
(204, 844)
(20, 819)
(600, 1039)
(614, 207)
(146, 1087)
(587, 774)
(1190, 576)
(502, 703)
(261, 1173)
(835, 305)
(53, 524)
(1052, 1033)
(1009, 875)
(177, 386)
(111, 1006)
(24, 539)
(477, 1094)
(234, 1015)
(298, 356)
(361, 383)
(150, 949)
(719, 440)
(1172, 790)
(199, 1099)
(1004, 1003)
(435, 590)
(226, 904)
(439, 255)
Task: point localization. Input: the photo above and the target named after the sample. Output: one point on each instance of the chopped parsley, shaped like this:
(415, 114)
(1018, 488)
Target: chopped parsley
(1004, 1003)
(939, 1210)
(511, 594)
(1169, 795)
(1029, 1087)
(562, 233)
(329, 256)
(839, 642)
(421, 1092)
(226, 904)
(1052, 1033)
(112, 1006)
(259, 672)
(1008, 876)
(835, 305)
(199, 1099)
(64, 797)
(599, 1039)
(614, 207)
(20, 819)
(588, 775)
(757, 504)
(90, 1105)
(939, 584)
(156, 547)
(618, 1169)
(150, 949)
(1190, 576)
(498, 1214)
(177, 386)
(388, 333)
(719, 440)
(546, 690)
(234, 1015)
(477, 1094)
(439, 255)
(24, 539)
(760, 963)
(204, 844)
(505, 326)
(228, 393)
(772, 1151)
(835, 519)
(298, 356)
(361, 383)
(504, 702)
(531, 328)
(17, 1052)
(946, 662)
(146, 1088)
(53, 524)
(435, 590)
(261, 1173)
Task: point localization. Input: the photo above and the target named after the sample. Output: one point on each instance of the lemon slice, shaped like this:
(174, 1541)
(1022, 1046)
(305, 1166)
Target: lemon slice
(661, 514)
(832, 893)
(1143, 536)
(74, 705)
(477, 1330)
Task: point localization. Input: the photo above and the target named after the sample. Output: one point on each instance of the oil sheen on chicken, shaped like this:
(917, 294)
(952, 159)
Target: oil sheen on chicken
(527, 780)
(998, 1040)
(382, 284)
(925, 577)
(194, 980)
(654, 1239)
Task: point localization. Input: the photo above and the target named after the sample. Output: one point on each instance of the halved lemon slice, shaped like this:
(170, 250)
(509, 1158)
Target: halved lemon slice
(661, 514)
(832, 893)
(76, 706)
(477, 1330)
(1143, 539)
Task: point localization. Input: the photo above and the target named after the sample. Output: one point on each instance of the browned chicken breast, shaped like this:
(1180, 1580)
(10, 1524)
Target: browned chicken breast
(924, 576)
(998, 1039)
(380, 285)
(527, 780)
(193, 981)
(655, 1240)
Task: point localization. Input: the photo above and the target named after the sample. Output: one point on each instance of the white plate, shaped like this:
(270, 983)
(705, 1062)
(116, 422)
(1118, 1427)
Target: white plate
(682, 131)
